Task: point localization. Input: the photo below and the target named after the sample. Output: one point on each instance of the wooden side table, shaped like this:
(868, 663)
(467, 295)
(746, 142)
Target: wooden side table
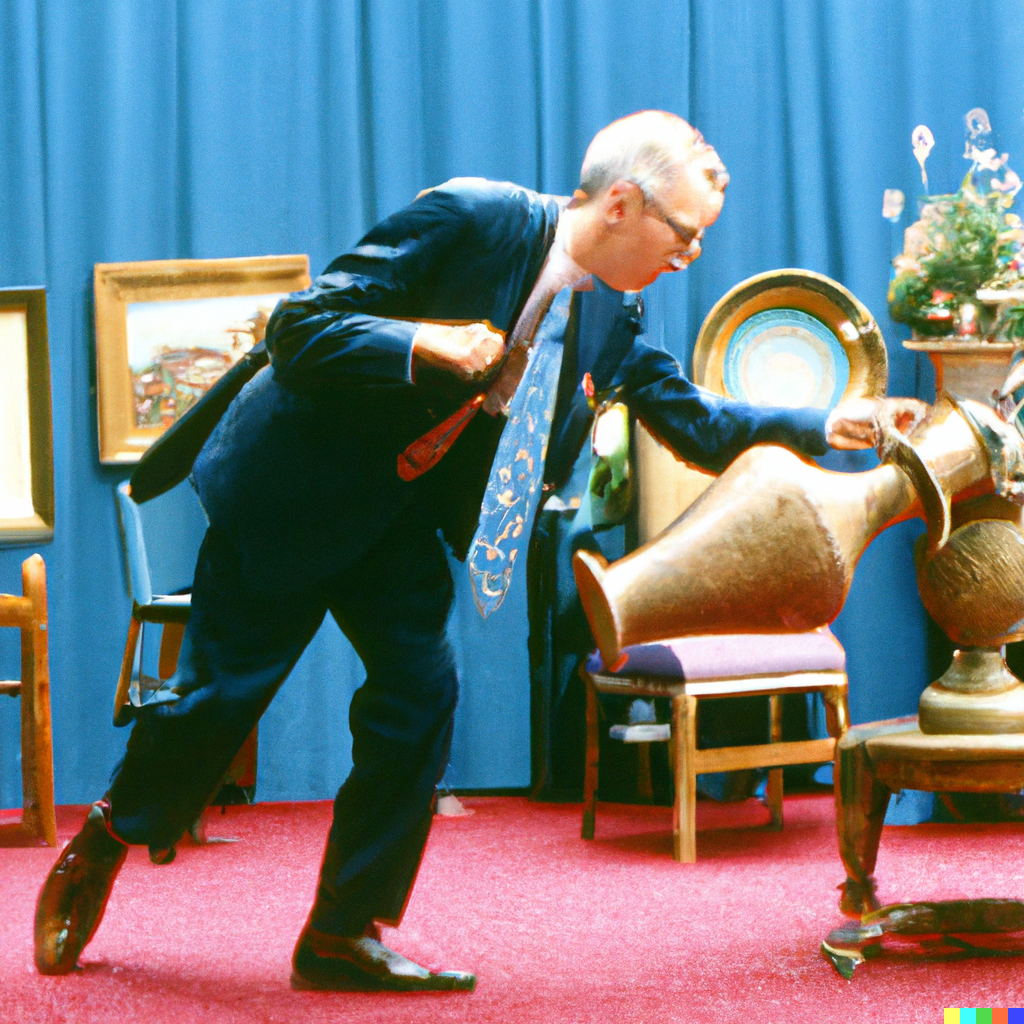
(873, 762)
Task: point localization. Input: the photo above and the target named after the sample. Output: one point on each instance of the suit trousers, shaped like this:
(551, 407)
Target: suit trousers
(240, 644)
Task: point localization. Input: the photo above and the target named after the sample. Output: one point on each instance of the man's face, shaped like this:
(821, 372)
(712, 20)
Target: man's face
(645, 239)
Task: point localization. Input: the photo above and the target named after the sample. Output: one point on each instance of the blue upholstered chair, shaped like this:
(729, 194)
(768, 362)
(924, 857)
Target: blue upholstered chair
(171, 610)
(161, 539)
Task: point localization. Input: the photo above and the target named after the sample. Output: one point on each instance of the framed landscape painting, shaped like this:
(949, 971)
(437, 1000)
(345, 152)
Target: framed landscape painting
(26, 425)
(167, 330)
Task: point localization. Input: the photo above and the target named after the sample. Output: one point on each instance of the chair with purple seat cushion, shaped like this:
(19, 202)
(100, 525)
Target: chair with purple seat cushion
(695, 667)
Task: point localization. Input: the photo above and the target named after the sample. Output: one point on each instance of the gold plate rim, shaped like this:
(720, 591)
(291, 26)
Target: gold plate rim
(810, 292)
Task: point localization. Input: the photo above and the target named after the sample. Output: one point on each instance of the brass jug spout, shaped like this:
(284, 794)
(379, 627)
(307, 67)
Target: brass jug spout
(589, 568)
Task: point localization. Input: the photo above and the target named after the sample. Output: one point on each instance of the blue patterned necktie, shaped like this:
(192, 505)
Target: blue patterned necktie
(514, 487)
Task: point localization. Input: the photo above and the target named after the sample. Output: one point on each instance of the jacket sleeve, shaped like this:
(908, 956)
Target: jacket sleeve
(353, 326)
(701, 427)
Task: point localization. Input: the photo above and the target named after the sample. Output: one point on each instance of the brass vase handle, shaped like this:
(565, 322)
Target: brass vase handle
(894, 448)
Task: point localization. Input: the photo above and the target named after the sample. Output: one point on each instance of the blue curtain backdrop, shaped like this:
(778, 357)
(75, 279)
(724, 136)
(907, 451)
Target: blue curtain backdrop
(158, 129)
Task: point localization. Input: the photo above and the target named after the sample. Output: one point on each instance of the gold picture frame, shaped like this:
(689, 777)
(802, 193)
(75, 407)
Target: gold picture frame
(166, 330)
(26, 421)
(844, 325)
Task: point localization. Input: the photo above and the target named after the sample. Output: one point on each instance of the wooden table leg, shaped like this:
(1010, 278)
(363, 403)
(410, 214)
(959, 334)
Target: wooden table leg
(684, 811)
(861, 803)
(592, 755)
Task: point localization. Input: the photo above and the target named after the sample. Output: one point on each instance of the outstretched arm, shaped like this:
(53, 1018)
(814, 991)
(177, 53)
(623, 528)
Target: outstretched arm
(707, 429)
(710, 431)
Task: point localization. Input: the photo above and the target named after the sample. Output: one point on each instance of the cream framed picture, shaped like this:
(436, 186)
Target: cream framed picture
(26, 424)
(167, 330)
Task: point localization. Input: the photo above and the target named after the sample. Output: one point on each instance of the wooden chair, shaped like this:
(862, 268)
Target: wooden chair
(690, 669)
(28, 613)
(171, 611)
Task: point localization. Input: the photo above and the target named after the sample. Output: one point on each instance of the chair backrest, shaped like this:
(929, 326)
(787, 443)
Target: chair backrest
(665, 486)
(161, 539)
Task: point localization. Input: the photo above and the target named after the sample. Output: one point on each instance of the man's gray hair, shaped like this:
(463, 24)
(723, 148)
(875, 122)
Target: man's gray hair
(649, 149)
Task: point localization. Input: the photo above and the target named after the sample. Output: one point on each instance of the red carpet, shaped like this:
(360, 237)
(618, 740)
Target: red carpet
(556, 928)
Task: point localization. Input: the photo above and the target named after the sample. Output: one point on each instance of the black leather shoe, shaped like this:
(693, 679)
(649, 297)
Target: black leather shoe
(75, 893)
(340, 963)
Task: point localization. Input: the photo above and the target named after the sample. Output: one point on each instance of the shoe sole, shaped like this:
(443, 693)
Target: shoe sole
(344, 979)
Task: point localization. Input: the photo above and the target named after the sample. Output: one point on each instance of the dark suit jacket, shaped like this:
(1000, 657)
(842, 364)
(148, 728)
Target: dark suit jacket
(301, 470)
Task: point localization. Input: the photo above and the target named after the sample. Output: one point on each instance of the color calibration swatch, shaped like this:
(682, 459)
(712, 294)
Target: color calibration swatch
(976, 1016)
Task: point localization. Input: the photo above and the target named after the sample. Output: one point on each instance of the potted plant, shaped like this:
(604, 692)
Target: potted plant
(959, 282)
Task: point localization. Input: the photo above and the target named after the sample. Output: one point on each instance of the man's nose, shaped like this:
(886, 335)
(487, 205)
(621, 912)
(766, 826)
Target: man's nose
(685, 258)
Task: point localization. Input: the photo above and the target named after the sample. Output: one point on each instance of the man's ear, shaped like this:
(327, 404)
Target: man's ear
(620, 199)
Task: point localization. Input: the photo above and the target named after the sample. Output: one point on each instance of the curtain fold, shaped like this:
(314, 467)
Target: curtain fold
(192, 128)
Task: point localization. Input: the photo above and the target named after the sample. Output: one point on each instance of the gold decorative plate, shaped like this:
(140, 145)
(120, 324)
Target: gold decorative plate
(791, 338)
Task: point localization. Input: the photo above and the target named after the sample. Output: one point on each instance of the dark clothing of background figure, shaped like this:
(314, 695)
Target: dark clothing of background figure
(307, 513)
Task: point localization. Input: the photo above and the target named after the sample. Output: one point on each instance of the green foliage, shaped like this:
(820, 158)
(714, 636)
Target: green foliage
(968, 249)
(962, 245)
(1012, 323)
(910, 302)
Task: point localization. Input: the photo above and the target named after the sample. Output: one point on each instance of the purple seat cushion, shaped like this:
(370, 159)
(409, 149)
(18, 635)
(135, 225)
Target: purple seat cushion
(730, 655)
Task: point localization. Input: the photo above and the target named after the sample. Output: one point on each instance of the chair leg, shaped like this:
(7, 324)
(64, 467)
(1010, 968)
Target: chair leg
(644, 783)
(38, 818)
(773, 797)
(170, 648)
(592, 755)
(124, 681)
(773, 791)
(684, 814)
(837, 711)
(242, 770)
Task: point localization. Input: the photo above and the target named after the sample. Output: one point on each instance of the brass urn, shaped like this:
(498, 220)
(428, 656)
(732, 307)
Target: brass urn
(974, 588)
(971, 579)
(769, 547)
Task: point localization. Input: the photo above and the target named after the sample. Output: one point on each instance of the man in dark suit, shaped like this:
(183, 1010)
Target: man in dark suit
(308, 513)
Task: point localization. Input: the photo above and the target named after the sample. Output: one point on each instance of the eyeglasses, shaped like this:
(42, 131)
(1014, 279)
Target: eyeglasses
(686, 236)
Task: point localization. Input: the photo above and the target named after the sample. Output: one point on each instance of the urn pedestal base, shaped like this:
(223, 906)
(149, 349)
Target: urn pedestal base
(977, 695)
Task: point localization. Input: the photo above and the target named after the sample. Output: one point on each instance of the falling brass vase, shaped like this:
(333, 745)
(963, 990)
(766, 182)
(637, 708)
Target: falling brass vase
(772, 545)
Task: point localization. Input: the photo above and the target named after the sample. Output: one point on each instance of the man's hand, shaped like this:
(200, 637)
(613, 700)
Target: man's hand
(861, 422)
(466, 351)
